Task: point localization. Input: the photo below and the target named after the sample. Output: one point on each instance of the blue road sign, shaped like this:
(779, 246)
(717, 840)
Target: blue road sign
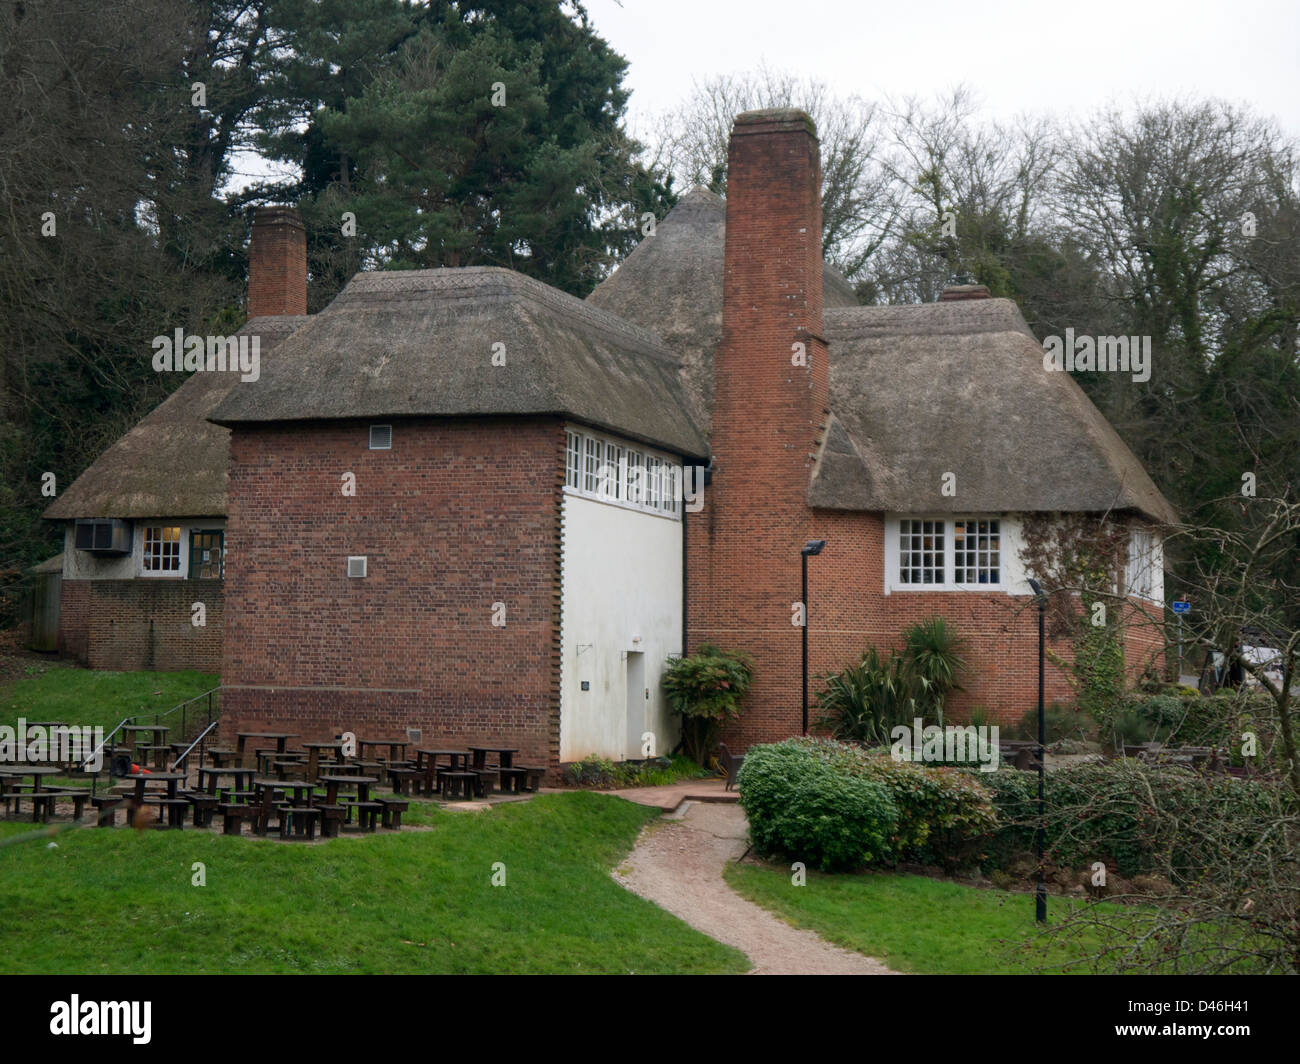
(1181, 606)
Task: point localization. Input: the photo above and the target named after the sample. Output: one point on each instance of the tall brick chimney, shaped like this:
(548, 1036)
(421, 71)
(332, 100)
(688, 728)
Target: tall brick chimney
(771, 394)
(277, 263)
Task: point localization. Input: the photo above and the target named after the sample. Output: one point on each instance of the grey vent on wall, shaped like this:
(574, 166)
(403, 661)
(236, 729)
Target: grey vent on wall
(356, 565)
(381, 437)
(103, 537)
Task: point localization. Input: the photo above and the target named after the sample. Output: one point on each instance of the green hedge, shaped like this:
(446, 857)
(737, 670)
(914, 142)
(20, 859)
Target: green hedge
(838, 806)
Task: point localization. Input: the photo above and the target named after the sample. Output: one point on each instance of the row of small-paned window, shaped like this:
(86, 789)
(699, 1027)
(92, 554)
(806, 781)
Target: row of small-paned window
(162, 551)
(923, 552)
(616, 473)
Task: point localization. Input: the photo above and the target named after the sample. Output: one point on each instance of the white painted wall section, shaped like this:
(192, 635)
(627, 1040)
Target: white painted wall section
(621, 595)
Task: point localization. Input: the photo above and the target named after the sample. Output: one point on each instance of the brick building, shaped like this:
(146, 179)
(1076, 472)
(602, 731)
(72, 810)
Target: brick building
(462, 502)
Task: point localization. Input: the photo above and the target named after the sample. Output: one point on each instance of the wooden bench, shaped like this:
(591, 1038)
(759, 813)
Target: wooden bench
(304, 819)
(457, 784)
(489, 779)
(405, 779)
(331, 819)
(367, 812)
(391, 811)
(107, 806)
(513, 780)
(536, 773)
(204, 806)
(175, 808)
(233, 815)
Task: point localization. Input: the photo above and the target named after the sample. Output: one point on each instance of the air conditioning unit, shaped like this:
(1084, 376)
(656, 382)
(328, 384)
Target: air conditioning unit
(105, 536)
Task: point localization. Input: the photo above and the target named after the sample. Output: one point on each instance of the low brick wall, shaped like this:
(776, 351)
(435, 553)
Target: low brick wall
(141, 624)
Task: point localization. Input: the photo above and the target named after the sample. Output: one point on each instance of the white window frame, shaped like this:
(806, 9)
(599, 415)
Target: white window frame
(1011, 578)
(1144, 576)
(609, 470)
(182, 543)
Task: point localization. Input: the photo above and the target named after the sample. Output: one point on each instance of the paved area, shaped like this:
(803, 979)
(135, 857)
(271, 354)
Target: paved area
(677, 863)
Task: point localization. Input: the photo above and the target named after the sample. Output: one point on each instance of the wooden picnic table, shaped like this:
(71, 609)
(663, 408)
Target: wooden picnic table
(455, 758)
(243, 777)
(159, 731)
(333, 783)
(396, 747)
(505, 753)
(314, 752)
(301, 789)
(280, 738)
(173, 781)
(35, 771)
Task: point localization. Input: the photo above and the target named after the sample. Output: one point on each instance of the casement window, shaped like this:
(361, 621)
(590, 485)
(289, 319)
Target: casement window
(591, 474)
(613, 471)
(635, 476)
(921, 556)
(162, 549)
(977, 551)
(1144, 573)
(945, 554)
(572, 460)
(600, 468)
(207, 554)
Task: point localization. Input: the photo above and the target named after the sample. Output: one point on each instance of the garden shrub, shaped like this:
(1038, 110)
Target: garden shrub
(1190, 720)
(800, 805)
(939, 814)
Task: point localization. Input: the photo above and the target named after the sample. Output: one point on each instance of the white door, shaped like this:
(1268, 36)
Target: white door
(636, 702)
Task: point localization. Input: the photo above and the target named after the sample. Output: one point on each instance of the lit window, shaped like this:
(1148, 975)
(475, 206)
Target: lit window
(162, 550)
(207, 554)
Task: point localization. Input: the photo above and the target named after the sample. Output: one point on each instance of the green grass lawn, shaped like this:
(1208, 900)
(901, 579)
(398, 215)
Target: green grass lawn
(119, 901)
(94, 697)
(915, 924)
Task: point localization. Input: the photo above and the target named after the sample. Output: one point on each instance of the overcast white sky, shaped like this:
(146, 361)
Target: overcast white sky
(1018, 55)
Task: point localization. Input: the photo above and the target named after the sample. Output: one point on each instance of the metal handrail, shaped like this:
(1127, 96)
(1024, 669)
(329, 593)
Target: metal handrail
(201, 736)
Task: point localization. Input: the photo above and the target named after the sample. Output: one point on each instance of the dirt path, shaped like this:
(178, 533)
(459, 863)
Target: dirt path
(677, 864)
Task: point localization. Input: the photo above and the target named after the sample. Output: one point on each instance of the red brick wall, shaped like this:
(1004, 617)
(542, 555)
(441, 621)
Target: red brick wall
(743, 547)
(141, 624)
(457, 516)
(277, 263)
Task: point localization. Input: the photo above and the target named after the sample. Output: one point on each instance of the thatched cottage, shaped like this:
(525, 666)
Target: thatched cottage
(463, 502)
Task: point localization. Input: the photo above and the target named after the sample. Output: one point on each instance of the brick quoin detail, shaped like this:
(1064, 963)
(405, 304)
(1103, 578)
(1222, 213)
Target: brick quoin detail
(277, 264)
(456, 516)
(141, 624)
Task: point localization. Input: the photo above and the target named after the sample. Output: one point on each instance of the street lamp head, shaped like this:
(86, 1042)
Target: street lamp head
(813, 546)
(1037, 589)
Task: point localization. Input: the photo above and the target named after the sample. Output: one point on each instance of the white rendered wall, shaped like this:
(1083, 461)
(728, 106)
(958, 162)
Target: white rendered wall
(82, 565)
(622, 578)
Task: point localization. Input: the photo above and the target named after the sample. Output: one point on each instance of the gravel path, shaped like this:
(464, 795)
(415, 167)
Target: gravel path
(677, 864)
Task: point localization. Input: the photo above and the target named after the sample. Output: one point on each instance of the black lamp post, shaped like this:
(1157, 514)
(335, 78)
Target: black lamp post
(813, 546)
(1040, 892)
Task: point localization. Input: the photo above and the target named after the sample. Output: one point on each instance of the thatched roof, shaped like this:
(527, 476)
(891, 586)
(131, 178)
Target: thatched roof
(173, 462)
(419, 343)
(916, 391)
(671, 284)
(919, 391)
